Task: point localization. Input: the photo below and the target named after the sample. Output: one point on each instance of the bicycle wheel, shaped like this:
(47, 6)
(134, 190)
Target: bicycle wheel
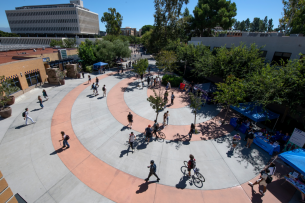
(185, 163)
(162, 135)
(200, 177)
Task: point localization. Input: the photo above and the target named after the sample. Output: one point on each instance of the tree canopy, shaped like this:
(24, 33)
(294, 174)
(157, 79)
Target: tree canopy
(113, 21)
(146, 28)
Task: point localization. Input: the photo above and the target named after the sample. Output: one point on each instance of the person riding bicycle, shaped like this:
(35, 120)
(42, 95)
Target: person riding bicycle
(156, 128)
(191, 164)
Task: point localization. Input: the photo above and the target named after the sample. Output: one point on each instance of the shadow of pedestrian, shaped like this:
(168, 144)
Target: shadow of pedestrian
(90, 96)
(57, 151)
(20, 126)
(35, 110)
(230, 153)
(100, 97)
(256, 197)
(144, 186)
(124, 128)
(182, 182)
(123, 152)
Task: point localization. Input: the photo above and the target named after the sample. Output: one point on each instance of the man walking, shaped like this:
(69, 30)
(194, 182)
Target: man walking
(65, 139)
(130, 119)
(132, 138)
(148, 133)
(148, 81)
(167, 117)
(152, 171)
(104, 91)
(172, 98)
(26, 116)
(96, 81)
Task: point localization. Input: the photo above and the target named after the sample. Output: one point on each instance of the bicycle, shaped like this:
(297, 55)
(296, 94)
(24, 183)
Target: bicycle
(199, 176)
(160, 134)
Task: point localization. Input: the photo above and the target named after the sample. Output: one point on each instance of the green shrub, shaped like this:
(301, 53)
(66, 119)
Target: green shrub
(88, 69)
(173, 79)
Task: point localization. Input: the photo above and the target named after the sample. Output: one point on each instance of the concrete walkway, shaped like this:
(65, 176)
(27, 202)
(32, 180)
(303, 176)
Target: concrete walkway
(99, 167)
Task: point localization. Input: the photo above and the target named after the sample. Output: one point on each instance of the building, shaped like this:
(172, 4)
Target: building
(55, 20)
(27, 68)
(103, 33)
(275, 45)
(128, 31)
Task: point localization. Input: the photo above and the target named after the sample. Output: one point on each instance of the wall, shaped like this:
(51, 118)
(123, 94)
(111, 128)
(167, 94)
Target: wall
(17, 67)
(293, 45)
(53, 56)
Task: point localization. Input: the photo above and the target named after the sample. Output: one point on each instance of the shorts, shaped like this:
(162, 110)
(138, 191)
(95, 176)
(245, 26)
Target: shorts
(130, 121)
(189, 169)
(249, 141)
(263, 183)
(149, 135)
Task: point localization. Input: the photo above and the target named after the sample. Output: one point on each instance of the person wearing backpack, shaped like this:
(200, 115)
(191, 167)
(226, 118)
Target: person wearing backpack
(44, 94)
(26, 116)
(191, 164)
(148, 133)
(65, 139)
(93, 88)
(104, 91)
(152, 170)
(265, 178)
(89, 79)
(132, 138)
(172, 98)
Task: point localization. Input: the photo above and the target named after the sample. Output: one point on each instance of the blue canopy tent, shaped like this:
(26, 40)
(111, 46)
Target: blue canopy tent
(96, 66)
(296, 159)
(255, 112)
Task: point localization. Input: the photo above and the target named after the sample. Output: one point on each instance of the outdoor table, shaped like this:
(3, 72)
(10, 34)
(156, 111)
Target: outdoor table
(297, 184)
(242, 128)
(263, 143)
(233, 122)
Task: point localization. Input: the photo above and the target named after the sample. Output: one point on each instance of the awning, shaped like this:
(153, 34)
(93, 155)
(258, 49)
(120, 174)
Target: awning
(255, 112)
(296, 159)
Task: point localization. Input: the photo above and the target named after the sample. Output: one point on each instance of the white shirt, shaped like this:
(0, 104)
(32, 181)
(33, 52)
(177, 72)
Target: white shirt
(26, 114)
(132, 138)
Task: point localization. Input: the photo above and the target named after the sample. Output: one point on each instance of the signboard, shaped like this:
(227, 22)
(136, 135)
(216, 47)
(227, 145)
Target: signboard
(63, 53)
(47, 59)
(297, 140)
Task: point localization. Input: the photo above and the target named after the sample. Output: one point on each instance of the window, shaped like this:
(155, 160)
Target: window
(16, 83)
(279, 56)
(33, 78)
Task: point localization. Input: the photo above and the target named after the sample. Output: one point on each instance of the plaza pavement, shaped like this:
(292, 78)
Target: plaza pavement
(99, 167)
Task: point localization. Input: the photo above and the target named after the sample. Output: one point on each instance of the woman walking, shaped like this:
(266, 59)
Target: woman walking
(236, 139)
(40, 102)
(44, 94)
(192, 130)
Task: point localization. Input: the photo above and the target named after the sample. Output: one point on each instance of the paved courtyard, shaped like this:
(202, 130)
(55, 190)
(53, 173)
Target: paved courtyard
(100, 167)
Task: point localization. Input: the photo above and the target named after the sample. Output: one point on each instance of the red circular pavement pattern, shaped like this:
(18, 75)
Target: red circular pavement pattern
(210, 129)
(119, 186)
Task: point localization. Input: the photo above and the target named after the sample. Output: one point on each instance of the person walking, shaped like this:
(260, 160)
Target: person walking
(89, 79)
(250, 139)
(155, 128)
(26, 116)
(148, 133)
(151, 81)
(236, 139)
(165, 102)
(64, 139)
(152, 171)
(166, 94)
(191, 164)
(148, 81)
(164, 118)
(104, 91)
(159, 81)
(192, 130)
(167, 117)
(83, 73)
(155, 82)
(96, 81)
(40, 102)
(44, 94)
(262, 181)
(132, 138)
(93, 88)
(172, 98)
(148, 69)
(130, 119)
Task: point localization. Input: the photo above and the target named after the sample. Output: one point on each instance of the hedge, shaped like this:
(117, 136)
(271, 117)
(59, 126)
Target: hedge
(173, 79)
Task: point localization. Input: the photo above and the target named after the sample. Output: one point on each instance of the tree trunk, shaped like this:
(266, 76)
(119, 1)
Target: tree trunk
(157, 116)
(223, 122)
(285, 114)
(195, 118)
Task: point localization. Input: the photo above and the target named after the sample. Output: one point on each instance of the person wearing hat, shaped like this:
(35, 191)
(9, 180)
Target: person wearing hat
(152, 171)
(132, 138)
(148, 133)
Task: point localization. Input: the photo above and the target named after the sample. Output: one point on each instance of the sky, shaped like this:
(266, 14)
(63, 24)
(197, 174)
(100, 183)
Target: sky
(137, 13)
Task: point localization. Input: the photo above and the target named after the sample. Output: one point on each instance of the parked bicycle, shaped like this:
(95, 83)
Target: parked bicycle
(160, 134)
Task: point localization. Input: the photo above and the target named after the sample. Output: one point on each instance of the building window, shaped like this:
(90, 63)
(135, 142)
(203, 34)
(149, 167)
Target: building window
(16, 83)
(279, 56)
(33, 78)
(264, 53)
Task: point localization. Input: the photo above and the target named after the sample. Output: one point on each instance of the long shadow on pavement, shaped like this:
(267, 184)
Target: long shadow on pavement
(144, 186)
(57, 151)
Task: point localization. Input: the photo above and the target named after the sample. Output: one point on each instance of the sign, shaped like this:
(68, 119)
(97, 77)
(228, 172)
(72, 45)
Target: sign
(47, 59)
(63, 53)
(298, 137)
(297, 140)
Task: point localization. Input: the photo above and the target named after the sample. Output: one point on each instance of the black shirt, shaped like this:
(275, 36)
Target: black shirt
(129, 117)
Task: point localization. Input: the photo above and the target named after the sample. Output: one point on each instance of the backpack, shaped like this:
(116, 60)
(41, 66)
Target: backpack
(154, 167)
(269, 179)
(193, 163)
(104, 89)
(23, 114)
(67, 137)
(92, 86)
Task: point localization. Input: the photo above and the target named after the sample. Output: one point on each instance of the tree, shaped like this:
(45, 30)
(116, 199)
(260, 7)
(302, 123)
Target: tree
(247, 24)
(69, 43)
(166, 60)
(7, 34)
(157, 102)
(141, 66)
(231, 92)
(113, 21)
(6, 89)
(195, 104)
(146, 40)
(121, 49)
(242, 26)
(85, 53)
(146, 28)
(254, 26)
(236, 25)
(54, 43)
(210, 13)
(270, 25)
(105, 51)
